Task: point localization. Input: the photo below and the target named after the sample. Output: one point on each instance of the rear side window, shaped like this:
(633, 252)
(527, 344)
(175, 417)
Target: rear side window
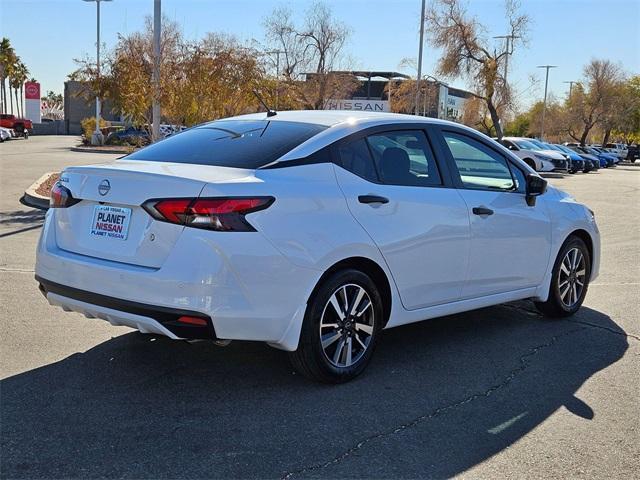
(355, 157)
(404, 157)
(230, 143)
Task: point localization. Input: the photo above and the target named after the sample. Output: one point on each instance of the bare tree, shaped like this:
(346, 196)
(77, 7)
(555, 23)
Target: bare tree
(591, 100)
(311, 54)
(466, 52)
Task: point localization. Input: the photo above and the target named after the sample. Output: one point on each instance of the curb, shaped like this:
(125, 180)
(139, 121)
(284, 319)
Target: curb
(99, 150)
(33, 199)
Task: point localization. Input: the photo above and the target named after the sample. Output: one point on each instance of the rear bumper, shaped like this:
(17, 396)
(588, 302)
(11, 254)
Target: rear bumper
(240, 283)
(143, 317)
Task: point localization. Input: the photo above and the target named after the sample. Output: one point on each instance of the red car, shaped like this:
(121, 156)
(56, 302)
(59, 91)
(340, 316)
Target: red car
(22, 126)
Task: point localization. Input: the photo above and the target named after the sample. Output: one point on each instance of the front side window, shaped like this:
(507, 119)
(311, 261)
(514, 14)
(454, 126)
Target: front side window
(230, 143)
(404, 157)
(479, 166)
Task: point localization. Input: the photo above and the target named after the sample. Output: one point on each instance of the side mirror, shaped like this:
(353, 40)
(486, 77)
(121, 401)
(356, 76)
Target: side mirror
(535, 186)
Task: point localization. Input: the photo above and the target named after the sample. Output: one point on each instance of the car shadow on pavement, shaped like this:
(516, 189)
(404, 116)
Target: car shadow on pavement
(439, 397)
(30, 217)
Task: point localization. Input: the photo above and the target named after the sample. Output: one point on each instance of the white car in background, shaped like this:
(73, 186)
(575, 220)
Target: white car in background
(6, 134)
(530, 154)
(618, 149)
(312, 232)
(561, 160)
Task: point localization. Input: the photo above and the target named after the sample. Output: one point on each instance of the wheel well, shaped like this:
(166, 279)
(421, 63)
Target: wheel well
(372, 269)
(586, 238)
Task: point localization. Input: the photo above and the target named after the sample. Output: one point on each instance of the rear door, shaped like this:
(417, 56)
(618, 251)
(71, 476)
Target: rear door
(510, 241)
(403, 199)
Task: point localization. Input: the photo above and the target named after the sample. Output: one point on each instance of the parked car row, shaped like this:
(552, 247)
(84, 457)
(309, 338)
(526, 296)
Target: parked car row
(6, 134)
(10, 133)
(139, 136)
(18, 127)
(568, 157)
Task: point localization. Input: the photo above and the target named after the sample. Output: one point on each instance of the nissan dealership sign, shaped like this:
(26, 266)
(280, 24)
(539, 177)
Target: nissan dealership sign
(360, 105)
(32, 102)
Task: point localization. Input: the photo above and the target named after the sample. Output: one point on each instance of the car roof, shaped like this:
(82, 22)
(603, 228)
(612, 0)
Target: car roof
(330, 118)
(340, 123)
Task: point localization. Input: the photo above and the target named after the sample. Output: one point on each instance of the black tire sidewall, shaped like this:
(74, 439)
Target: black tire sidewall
(311, 327)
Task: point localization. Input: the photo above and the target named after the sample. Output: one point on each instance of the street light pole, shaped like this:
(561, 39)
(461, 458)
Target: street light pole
(509, 39)
(97, 138)
(570, 82)
(155, 78)
(417, 109)
(277, 53)
(437, 83)
(544, 105)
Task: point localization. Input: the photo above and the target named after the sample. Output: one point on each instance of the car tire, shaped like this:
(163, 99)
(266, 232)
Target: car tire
(336, 347)
(569, 280)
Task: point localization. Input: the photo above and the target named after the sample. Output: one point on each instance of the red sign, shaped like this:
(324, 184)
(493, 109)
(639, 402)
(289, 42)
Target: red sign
(32, 91)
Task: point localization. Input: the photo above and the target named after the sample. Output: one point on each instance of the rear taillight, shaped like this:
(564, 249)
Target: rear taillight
(221, 214)
(61, 197)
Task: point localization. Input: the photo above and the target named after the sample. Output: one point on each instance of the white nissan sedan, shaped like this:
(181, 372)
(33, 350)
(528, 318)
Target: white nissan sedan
(312, 232)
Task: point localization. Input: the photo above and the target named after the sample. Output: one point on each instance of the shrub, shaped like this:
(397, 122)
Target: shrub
(89, 126)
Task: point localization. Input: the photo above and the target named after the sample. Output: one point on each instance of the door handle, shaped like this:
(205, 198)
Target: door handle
(482, 211)
(372, 199)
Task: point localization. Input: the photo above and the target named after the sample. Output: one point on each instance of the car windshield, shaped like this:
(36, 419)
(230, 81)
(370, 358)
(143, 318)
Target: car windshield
(552, 147)
(564, 148)
(540, 145)
(525, 145)
(230, 143)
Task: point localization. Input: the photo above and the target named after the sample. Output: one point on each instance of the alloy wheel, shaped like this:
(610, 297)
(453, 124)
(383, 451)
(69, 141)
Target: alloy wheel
(571, 278)
(347, 325)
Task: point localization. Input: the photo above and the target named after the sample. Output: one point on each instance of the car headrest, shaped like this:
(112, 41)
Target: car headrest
(395, 164)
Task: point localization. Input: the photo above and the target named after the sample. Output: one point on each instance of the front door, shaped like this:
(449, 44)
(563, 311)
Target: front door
(510, 241)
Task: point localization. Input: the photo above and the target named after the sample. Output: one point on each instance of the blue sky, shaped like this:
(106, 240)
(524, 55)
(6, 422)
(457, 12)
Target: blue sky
(49, 34)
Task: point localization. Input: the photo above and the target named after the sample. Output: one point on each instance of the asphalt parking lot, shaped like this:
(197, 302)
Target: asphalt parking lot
(500, 392)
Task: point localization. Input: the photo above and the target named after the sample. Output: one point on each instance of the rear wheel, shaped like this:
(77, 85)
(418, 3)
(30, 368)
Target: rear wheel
(340, 328)
(570, 280)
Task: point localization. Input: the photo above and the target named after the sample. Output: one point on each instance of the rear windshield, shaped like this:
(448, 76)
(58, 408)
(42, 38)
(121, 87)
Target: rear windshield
(230, 143)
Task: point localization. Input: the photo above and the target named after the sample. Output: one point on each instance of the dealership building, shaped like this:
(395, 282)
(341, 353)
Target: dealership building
(441, 101)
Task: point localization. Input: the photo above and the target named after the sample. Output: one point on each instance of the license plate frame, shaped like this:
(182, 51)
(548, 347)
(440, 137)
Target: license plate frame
(111, 222)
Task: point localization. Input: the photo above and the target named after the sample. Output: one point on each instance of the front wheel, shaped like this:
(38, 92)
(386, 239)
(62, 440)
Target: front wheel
(340, 328)
(569, 281)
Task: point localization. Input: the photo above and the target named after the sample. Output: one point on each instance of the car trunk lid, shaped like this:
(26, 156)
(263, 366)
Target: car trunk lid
(109, 223)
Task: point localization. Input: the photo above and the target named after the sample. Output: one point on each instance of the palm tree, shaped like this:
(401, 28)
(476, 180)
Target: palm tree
(7, 60)
(16, 80)
(20, 76)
